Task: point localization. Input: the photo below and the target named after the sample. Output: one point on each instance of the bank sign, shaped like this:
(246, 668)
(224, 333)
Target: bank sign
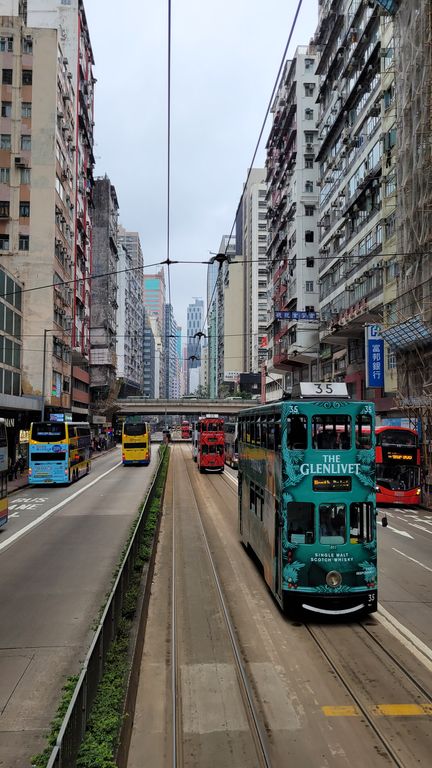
(374, 345)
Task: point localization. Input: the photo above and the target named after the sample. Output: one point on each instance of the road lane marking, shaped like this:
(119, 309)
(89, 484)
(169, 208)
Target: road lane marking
(49, 512)
(233, 479)
(412, 558)
(341, 711)
(396, 530)
(386, 710)
(420, 527)
(402, 710)
(417, 647)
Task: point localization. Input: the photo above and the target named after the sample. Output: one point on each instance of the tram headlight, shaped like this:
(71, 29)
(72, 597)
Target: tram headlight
(334, 579)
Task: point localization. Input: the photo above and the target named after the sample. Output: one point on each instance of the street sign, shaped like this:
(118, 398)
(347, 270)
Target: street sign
(374, 344)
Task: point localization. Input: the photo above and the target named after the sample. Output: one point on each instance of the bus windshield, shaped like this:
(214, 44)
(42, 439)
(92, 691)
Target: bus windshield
(134, 430)
(48, 432)
(396, 437)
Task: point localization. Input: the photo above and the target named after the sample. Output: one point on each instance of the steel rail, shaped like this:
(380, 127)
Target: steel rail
(257, 730)
(363, 709)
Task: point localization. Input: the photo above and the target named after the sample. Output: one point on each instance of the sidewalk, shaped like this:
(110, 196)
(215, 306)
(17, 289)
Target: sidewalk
(21, 481)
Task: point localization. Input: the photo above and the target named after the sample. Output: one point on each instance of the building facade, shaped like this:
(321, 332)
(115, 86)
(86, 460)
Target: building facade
(194, 326)
(171, 367)
(46, 181)
(293, 213)
(251, 243)
(130, 314)
(357, 214)
(104, 299)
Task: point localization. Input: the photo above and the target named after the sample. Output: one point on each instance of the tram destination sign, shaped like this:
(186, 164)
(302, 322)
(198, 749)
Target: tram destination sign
(336, 483)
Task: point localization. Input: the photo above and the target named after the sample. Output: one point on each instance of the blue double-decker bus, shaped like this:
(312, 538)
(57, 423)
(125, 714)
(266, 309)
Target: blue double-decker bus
(307, 499)
(59, 452)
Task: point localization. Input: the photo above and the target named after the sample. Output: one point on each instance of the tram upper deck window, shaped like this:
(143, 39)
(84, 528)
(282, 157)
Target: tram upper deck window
(361, 522)
(296, 432)
(363, 431)
(331, 432)
(277, 433)
(332, 523)
(301, 528)
(263, 423)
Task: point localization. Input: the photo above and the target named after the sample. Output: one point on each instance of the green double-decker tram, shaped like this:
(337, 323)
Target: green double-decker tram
(307, 499)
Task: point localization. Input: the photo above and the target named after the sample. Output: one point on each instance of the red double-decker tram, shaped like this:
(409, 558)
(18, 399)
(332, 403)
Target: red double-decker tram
(211, 444)
(185, 430)
(397, 466)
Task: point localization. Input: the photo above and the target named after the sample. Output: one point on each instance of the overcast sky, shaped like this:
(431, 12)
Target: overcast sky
(225, 55)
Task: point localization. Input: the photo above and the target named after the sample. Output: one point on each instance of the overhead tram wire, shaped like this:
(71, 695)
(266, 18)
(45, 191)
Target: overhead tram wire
(168, 261)
(73, 280)
(264, 122)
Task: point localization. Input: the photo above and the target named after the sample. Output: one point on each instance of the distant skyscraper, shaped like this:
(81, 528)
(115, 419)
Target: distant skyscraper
(195, 320)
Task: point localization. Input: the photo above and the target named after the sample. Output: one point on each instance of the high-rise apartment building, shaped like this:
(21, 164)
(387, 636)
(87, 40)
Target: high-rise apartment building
(292, 222)
(171, 368)
(409, 317)
(251, 244)
(154, 303)
(131, 293)
(150, 357)
(104, 299)
(130, 325)
(194, 325)
(356, 160)
(46, 175)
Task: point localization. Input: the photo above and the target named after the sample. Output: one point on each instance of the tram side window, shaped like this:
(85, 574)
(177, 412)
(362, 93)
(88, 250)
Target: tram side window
(332, 523)
(361, 522)
(277, 438)
(331, 432)
(256, 500)
(301, 527)
(264, 431)
(363, 431)
(296, 432)
(271, 433)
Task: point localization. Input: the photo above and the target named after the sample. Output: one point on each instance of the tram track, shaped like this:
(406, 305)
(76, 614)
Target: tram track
(356, 682)
(184, 482)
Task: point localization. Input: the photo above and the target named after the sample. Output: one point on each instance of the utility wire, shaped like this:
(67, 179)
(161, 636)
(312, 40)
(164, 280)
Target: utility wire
(264, 122)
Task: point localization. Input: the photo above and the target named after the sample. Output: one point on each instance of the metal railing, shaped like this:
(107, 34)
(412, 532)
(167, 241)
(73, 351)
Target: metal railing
(73, 727)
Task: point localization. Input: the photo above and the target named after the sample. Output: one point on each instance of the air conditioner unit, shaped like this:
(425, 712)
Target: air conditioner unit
(340, 232)
(309, 147)
(69, 74)
(20, 162)
(60, 113)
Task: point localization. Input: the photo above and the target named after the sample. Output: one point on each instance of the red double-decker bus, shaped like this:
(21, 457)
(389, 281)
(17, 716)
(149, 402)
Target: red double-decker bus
(211, 444)
(185, 430)
(397, 466)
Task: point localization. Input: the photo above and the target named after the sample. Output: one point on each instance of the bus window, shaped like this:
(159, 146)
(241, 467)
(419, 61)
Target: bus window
(397, 437)
(48, 431)
(332, 523)
(363, 431)
(296, 432)
(301, 527)
(361, 522)
(331, 432)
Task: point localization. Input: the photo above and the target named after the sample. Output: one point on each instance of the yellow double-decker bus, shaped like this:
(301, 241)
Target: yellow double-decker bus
(3, 473)
(59, 452)
(136, 447)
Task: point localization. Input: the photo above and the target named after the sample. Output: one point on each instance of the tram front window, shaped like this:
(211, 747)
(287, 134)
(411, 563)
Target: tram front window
(301, 528)
(331, 432)
(332, 523)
